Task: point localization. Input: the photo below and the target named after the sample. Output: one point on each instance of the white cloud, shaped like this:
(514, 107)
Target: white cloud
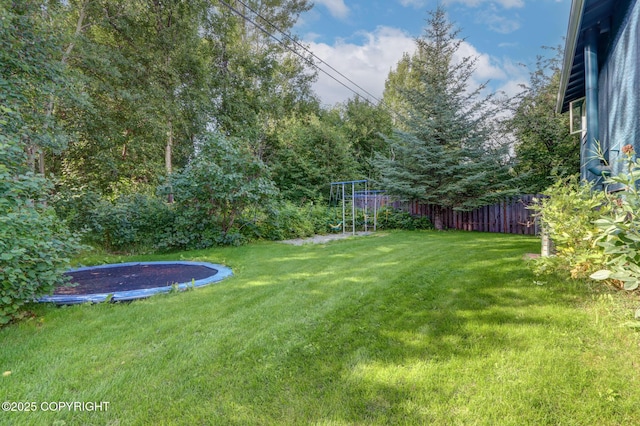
(337, 8)
(507, 4)
(414, 3)
(498, 23)
(368, 65)
(516, 76)
(312, 36)
(486, 67)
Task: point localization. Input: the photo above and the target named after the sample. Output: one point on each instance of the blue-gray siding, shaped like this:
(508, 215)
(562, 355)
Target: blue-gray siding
(619, 93)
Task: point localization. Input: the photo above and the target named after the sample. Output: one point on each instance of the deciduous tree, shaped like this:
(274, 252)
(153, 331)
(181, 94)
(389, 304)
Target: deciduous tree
(34, 244)
(545, 151)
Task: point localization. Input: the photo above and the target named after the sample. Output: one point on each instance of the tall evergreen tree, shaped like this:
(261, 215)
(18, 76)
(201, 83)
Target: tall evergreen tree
(442, 156)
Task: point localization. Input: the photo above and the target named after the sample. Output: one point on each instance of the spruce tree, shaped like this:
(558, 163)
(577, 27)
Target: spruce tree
(441, 153)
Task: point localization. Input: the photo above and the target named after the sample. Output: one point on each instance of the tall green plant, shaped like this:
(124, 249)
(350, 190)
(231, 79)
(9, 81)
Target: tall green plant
(544, 149)
(35, 245)
(311, 153)
(219, 185)
(567, 213)
(620, 229)
(364, 124)
(30, 77)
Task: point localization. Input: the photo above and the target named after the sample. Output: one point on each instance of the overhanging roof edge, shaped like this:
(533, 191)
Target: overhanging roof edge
(575, 19)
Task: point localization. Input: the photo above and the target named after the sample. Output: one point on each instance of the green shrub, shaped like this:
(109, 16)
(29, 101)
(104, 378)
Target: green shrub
(194, 229)
(619, 229)
(568, 212)
(127, 222)
(214, 194)
(130, 222)
(75, 204)
(390, 218)
(35, 246)
(320, 217)
(284, 220)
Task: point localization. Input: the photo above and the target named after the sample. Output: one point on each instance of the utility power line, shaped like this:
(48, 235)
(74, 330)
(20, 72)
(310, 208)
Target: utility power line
(307, 60)
(288, 36)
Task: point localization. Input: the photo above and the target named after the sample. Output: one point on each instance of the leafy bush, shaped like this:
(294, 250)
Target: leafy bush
(390, 218)
(76, 205)
(35, 246)
(214, 194)
(619, 230)
(130, 222)
(126, 222)
(321, 217)
(284, 220)
(568, 212)
(194, 229)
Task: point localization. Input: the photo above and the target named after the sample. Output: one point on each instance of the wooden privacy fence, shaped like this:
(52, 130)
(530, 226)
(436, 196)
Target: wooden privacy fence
(510, 216)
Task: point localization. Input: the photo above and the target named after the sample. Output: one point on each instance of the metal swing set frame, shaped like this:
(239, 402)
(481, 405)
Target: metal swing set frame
(357, 193)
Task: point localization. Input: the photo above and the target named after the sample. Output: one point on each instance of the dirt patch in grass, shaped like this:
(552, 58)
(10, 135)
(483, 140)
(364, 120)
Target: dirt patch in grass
(322, 239)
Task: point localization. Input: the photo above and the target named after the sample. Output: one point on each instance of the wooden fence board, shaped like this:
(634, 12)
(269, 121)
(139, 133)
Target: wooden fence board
(510, 216)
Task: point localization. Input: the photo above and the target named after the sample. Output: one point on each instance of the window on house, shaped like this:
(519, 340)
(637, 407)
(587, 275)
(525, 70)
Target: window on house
(578, 116)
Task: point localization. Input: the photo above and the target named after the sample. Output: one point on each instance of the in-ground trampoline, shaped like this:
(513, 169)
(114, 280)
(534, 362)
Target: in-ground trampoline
(134, 280)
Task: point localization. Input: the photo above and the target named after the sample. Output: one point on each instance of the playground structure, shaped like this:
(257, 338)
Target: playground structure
(355, 197)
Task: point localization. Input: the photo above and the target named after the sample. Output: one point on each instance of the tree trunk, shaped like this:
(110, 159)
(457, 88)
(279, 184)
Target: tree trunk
(41, 162)
(167, 159)
(31, 157)
(438, 218)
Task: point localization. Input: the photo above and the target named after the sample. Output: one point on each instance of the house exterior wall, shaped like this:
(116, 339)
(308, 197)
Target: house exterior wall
(619, 90)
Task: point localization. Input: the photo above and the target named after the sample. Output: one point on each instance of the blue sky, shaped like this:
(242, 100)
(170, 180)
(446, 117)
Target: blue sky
(364, 39)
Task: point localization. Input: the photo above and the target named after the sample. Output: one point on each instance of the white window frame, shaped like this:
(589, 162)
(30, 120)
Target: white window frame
(578, 106)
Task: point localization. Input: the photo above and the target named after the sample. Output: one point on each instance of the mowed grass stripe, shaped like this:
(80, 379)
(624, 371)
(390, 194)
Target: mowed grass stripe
(394, 328)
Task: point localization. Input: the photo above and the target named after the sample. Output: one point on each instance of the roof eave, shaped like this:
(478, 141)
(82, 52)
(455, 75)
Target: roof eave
(573, 33)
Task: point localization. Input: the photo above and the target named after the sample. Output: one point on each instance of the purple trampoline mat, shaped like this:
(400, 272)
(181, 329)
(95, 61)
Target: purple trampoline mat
(133, 277)
(135, 280)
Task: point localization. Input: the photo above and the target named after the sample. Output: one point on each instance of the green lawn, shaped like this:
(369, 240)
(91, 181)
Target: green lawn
(393, 328)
